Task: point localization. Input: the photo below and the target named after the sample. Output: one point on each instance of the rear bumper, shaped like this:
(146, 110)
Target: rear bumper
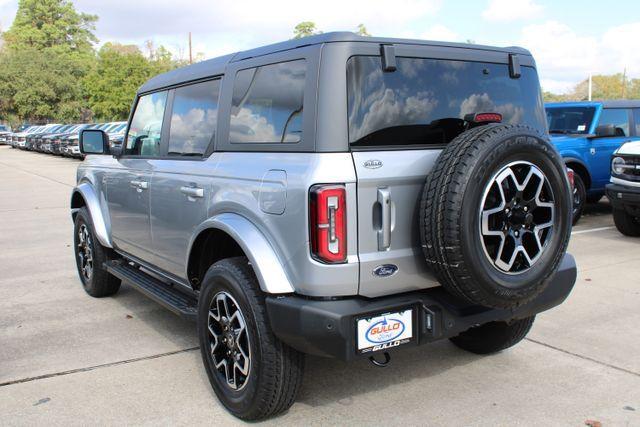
(328, 328)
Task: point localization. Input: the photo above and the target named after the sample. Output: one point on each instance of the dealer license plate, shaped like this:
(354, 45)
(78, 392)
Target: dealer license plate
(385, 331)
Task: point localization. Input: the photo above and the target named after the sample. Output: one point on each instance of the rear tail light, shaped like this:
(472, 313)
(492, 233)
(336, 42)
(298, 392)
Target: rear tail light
(484, 118)
(328, 223)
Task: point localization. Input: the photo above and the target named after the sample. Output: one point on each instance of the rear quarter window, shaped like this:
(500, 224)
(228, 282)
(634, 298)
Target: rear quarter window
(425, 101)
(267, 104)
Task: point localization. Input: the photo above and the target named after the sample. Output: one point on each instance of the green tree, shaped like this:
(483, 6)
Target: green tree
(46, 53)
(113, 82)
(42, 24)
(362, 31)
(41, 85)
(305, 29)
(553, 97)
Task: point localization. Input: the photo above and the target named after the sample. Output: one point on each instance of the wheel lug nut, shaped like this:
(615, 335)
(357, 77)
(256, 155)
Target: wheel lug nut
(526, 208)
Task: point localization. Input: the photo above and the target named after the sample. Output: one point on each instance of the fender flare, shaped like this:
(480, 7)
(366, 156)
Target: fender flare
(574, 159)
(100, 227)
(266, 264)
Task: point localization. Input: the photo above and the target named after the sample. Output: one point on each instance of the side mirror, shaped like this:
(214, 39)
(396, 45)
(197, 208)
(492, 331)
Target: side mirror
(604, 131)
(93, 141)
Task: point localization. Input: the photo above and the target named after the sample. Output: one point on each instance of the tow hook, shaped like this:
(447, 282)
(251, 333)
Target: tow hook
(387, 359)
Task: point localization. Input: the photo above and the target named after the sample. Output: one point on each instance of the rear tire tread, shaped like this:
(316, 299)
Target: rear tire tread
(282, 367)
(494, 336)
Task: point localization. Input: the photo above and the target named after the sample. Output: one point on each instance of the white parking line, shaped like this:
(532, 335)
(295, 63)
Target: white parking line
(591, 230)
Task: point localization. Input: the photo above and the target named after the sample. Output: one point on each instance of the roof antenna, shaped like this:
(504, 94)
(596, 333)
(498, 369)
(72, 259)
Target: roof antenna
(388, 52)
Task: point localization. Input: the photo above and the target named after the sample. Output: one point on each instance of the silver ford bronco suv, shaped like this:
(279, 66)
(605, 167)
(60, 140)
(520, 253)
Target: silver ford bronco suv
(336, 195)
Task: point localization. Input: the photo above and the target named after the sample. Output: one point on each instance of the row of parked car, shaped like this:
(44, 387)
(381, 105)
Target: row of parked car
(58, 139)
(600, 142)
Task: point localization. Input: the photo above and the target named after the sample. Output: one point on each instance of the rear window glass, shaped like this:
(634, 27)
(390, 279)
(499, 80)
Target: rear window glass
(194, 118)
(267, 104)
(425, 101)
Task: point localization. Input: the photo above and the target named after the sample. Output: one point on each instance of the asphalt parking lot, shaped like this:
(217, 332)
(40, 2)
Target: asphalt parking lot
(68, 359)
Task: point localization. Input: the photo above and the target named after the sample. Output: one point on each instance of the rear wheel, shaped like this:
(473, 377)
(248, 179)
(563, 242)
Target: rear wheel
(254, 374)
(579, 197)
(494, 336)
(625, 223)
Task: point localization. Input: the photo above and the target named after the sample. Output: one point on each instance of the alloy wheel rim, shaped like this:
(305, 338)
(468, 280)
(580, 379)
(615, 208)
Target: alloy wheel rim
(85, 252)
(229, 341)
(516, 217)
(577, 200)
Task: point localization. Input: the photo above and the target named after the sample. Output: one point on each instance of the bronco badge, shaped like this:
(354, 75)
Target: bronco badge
(373, 164)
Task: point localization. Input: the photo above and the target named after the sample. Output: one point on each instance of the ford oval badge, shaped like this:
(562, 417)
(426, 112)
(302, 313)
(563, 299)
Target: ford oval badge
(373, 164)
(385, 270)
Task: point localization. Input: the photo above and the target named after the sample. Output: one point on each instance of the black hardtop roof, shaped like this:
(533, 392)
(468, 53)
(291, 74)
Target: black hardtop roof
(606, 103)
(621, 103)
(216, 66)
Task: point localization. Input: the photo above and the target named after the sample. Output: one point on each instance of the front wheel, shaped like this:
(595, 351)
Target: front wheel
(494, 336)
(90, 256)
(625, 223)
(254, 374)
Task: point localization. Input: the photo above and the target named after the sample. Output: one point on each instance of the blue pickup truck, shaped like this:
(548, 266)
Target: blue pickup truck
(587, 134)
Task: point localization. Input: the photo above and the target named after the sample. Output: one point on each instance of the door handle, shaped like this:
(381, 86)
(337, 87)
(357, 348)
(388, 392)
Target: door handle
(384, 233)
(142, 185)
(192, 191)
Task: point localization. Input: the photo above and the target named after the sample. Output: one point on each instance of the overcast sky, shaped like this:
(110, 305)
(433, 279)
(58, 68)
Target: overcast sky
(568, 38)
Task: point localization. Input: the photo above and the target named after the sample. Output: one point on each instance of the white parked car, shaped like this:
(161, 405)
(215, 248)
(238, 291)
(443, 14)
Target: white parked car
(624, 189)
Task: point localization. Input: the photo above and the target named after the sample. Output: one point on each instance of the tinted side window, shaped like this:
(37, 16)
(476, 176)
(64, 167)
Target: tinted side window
(143, 138)
(267, 104)
(636, 119)
(619, 117)
(194, 118)
(425, 101)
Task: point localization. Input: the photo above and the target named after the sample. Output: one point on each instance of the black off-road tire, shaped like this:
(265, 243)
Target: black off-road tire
(451, 205)
(494, 336)
(100, 283)
(276, 370)
(594, 198)
(579, 198)
(625, 223)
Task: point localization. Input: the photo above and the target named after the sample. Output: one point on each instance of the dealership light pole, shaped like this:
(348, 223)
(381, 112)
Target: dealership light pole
(190, 56)
(590, 85)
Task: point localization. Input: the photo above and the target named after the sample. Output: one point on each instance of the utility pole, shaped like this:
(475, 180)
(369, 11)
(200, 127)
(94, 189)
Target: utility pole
(190, 55)
(624, 82)
(590, 85)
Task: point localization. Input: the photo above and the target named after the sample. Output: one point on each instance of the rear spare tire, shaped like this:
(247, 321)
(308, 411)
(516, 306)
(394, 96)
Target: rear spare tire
(495, 215)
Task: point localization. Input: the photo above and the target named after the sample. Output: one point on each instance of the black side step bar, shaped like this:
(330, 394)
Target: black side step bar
(162, 293)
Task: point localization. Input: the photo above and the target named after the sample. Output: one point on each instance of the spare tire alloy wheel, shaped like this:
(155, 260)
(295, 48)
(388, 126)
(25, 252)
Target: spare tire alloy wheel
(229, 341)
(516, 221)
(495, 215)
